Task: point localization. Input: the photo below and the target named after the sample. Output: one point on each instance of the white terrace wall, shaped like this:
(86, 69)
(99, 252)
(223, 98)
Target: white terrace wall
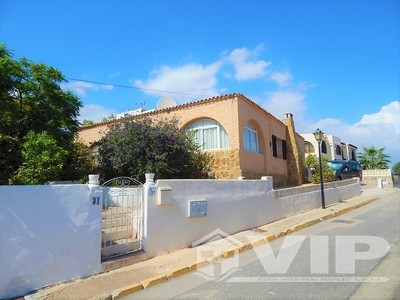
(232, 206)
(378, 178)
(48, 234)
(299, 199)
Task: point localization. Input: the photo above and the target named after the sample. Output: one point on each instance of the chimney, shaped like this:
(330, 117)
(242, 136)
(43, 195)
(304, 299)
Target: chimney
(295, 153)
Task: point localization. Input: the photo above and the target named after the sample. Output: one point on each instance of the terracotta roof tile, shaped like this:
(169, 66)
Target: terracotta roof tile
(186, 105)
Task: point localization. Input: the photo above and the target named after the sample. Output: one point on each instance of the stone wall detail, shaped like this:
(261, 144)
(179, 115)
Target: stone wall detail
(295, 157)
(226, 164)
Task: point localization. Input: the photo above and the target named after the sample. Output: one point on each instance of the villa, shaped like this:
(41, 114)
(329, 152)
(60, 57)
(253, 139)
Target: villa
(243, 138)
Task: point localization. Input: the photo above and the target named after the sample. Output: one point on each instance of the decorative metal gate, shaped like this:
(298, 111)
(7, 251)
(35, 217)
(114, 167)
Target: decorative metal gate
(122, 217)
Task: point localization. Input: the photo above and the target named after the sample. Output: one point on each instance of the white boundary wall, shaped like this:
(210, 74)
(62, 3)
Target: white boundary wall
(232, 206)
(48, 234)
(299, 199)
(52, 233)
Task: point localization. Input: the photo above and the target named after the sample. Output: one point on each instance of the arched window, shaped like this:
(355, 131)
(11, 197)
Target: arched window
(323, 147)
(209, 134)
(308, 147)
(353, 154)
(338, 150)
(250, 139)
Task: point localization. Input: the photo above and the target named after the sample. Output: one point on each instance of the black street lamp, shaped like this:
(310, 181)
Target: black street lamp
(319, 135)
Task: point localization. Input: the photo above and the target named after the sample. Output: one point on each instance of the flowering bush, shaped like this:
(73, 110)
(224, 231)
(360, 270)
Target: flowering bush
(134, 147)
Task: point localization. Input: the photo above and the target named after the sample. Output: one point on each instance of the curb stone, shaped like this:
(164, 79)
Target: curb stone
(328, 216)
(104, 296)
(230, 253)
(310, 223)
(296, 228)
(270, 238)
(125, 291)
(198, 265)
(246, 247)
(178, 272)
(154, 280)
(258, 242)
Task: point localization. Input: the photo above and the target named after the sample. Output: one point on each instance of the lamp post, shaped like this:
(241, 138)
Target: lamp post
(318, 134)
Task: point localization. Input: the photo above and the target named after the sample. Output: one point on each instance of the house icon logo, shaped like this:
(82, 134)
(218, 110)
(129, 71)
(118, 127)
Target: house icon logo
(221, 251)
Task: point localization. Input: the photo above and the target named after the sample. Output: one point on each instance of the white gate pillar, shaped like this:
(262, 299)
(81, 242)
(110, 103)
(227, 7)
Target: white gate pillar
(150, 192)
(96, 199)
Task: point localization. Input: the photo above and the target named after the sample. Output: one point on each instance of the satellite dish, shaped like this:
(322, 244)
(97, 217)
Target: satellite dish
(166, 102)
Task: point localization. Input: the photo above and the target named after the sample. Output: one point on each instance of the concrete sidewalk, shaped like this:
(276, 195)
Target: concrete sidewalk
(124, 281)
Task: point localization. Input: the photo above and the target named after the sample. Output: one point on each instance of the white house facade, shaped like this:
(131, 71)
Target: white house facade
(331, 147)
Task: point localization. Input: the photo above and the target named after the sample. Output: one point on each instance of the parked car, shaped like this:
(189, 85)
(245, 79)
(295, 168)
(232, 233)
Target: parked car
(345, 169)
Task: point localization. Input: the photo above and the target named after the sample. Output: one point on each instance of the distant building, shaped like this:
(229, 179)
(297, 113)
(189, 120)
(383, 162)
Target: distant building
(132, 112)
(331, 147)
(243, 138)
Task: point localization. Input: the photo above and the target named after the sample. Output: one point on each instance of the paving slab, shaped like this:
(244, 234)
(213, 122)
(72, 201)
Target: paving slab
(130, 279)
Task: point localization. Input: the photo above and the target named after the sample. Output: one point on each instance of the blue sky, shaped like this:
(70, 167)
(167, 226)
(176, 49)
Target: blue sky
(334, 64)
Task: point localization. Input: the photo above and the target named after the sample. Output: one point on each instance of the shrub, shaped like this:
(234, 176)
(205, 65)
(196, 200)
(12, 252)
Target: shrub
(135, 147)
(312, 163)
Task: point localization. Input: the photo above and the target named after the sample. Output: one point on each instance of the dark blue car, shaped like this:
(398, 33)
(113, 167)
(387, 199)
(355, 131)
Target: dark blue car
(345, 169)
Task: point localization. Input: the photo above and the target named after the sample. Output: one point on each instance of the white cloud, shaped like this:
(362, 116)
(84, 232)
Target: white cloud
(115, 74)
(95, 112)
(283, 79)
(381, 129)
(389, 114)
(281, 102)
(304, 86)
(246, 65)
(194, 79)
(80, 87)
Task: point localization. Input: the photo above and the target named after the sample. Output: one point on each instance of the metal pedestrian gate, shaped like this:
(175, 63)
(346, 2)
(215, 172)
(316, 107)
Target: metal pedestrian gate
(122, 217)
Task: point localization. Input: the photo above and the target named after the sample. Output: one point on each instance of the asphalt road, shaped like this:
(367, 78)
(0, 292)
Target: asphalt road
(329, 260)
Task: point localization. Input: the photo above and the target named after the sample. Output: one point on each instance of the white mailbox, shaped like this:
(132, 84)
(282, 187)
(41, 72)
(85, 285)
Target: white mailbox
(164, 195)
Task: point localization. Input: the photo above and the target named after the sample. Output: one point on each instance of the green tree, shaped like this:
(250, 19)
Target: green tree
(42, 159)
(87, 122)
(312, 164)
(31, 99)
(396, 168)
(373, 158)
(110, 118)
(10, 157)
(80, 162)
(135, 147)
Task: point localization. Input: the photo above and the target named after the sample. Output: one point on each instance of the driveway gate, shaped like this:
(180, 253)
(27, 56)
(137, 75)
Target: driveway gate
(122, 217)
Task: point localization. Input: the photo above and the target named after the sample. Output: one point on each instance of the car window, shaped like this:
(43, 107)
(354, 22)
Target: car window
(334, 165)
(355, 166)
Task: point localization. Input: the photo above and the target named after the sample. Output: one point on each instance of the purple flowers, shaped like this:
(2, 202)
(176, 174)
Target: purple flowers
(138, 146)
